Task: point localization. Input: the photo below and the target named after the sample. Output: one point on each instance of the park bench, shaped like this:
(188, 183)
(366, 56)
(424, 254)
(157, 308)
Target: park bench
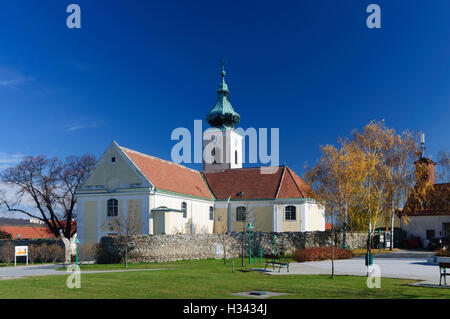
(443, 272)
(276, 261)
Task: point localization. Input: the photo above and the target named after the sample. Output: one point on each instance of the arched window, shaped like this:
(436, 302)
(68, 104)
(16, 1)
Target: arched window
(290, 213)
(112, 207)
(184, 209)
(211, 213)
(241, 214)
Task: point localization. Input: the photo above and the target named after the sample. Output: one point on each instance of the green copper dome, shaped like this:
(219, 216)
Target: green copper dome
(223, 115)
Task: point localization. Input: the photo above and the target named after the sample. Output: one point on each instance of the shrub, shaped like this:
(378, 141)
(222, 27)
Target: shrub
(7, 253)
(44, 253)
(321, 253)
(87, 252)
(109, 250)
(5, 235)
(55, 252)
(33, 253)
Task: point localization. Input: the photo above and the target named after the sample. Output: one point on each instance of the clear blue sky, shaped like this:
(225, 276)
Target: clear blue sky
(138, 69)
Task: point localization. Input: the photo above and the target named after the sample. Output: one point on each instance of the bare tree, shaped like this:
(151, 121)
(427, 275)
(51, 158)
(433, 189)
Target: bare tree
(50, 185)
(124, 227)
(7, 253)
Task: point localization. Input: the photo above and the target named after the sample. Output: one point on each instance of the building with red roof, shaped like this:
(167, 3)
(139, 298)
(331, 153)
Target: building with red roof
(428, 217)
(168, 198)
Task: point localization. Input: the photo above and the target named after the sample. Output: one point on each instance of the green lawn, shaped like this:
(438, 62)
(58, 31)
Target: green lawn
(206, 279)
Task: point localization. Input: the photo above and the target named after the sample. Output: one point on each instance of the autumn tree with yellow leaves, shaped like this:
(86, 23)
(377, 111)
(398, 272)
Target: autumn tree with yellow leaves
(366, 175)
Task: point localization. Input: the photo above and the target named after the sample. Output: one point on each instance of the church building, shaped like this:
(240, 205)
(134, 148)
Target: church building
(163, 197)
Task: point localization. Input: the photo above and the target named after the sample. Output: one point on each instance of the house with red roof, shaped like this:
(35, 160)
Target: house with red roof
(169, 198)
(428, 217)
(24, 228)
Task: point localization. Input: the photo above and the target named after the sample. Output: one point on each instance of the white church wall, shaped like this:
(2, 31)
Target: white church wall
(197, 217)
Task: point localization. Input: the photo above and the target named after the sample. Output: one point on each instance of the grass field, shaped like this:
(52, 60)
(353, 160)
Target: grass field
(206, 279)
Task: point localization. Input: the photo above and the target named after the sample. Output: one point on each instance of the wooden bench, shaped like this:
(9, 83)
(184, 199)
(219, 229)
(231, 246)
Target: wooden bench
(277, 261)
(443, 272)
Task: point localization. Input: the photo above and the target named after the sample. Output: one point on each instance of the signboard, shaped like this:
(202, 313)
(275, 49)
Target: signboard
(20, 251)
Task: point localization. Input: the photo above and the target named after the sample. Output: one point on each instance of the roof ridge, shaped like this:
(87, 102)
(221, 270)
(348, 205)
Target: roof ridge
(242, 168)
(280, 182)
(293, 179)
(207, 185)
(157, 158)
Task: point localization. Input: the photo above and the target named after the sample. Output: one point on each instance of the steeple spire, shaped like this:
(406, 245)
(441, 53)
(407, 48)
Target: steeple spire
(222, 114)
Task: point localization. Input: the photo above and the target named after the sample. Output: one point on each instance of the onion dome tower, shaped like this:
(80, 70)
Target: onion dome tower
(223, 115)
(222, 144)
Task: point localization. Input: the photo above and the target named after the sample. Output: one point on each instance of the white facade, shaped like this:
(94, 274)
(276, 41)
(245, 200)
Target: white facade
(222, 149)
(417, 226)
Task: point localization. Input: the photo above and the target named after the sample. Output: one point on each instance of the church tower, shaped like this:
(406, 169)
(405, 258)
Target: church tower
(222, 145)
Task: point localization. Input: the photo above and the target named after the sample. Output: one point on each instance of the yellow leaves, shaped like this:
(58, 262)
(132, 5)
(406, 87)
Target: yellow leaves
(364, 173)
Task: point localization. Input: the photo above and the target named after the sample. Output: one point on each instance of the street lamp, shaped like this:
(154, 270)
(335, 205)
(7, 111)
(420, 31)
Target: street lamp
(76, 249)
(275, 244)
(249, 229)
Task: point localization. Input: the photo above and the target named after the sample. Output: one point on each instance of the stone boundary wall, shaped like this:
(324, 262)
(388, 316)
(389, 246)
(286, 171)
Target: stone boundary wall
(163, 248)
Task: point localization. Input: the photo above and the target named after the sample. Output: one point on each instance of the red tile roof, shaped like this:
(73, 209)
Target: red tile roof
(28, 231)
(170, 176)
(283, 183)
(293, 186)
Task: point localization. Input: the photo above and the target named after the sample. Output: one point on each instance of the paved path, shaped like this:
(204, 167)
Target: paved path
(49, 270)
(405, 268)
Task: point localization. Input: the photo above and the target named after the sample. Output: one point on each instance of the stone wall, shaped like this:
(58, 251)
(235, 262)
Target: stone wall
(163, 248)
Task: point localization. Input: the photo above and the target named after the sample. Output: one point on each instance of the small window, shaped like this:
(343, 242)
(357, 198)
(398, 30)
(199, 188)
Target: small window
(211, 213)
(241, 214)
(213, 155)
(430, 233)
(112, 209)
(113, 159)
(235, 157)
(184, 209)
(290, 213)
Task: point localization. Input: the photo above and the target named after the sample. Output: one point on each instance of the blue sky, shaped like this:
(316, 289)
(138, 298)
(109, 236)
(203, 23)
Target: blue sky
(136, 70)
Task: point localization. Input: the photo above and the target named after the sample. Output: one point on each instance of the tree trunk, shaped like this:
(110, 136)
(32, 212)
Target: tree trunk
(67, 250)
(332, 261)
(344, 233)
(392, 227)
(126, 251)
(224, 253)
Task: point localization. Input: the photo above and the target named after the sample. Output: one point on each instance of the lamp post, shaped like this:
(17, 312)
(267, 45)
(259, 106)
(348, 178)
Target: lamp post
(249, 229)
(76, 249)
(379, 240)
(275, 244)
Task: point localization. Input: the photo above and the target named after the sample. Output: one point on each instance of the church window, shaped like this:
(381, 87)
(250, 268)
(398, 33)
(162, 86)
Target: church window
(211, 213)
(184, 209)
(241, 214)
(112, 207)
(290, 213)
